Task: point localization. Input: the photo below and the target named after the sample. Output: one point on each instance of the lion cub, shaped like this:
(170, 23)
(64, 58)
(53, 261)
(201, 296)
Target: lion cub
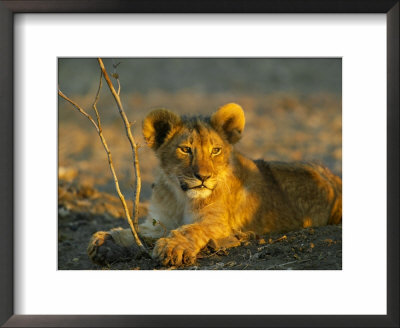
(204, 189)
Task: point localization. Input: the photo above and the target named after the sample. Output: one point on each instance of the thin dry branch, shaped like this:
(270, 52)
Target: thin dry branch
(109, 157)
(96, 99)
(80, 109)
(116, 76)
(132, 142)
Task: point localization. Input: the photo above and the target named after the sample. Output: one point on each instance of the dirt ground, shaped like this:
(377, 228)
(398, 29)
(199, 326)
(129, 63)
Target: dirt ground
(83, 210)
(293, 112)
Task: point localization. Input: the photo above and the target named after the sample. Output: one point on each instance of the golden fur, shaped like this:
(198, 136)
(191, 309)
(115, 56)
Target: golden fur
(205, 190)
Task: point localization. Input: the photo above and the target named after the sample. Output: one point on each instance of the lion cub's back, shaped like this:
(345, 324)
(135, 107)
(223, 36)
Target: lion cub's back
(312, 191)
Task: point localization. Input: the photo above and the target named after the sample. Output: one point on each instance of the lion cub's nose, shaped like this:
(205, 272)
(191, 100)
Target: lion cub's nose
(202, 177)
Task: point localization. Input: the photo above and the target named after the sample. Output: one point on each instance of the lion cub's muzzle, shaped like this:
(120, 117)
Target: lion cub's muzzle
(185, 186)
(198, 187)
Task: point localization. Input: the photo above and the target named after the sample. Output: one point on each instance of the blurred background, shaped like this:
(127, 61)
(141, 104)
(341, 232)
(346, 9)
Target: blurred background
(293, 110)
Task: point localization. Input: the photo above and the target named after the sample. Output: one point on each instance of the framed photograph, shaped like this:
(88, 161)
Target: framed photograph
(289, 110)
(304, 81)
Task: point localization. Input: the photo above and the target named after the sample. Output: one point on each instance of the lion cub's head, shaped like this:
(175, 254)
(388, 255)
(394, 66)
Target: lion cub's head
(194, 152)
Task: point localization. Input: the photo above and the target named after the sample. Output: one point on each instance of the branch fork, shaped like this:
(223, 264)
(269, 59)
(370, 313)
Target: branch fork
(132, 223)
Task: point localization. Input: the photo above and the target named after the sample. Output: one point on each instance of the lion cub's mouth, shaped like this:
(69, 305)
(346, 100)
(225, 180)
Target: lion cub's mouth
(196, 192)
(185, 187)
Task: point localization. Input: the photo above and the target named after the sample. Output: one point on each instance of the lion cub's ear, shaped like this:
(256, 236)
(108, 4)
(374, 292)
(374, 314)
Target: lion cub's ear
(229, 119)
(158, 126)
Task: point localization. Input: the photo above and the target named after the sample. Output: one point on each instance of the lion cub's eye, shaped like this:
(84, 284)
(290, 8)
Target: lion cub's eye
(216, 151)
(185, 150)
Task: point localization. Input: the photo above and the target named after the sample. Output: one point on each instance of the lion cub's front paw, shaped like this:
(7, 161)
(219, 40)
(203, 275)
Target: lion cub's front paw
(174, 251)
(103, 250)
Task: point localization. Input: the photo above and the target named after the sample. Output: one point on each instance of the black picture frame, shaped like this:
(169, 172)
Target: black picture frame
(10, 7)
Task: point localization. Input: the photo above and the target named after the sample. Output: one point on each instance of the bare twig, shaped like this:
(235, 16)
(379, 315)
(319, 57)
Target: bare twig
(78, 108)
(119, 87)
(96, 99)
(284, 264)
(132, 142)
(115, 75)
(109, 157)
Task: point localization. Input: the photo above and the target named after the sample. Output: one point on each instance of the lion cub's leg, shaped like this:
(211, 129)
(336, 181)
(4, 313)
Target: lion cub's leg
(118, 244)
(182, 245)
(106, 247)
